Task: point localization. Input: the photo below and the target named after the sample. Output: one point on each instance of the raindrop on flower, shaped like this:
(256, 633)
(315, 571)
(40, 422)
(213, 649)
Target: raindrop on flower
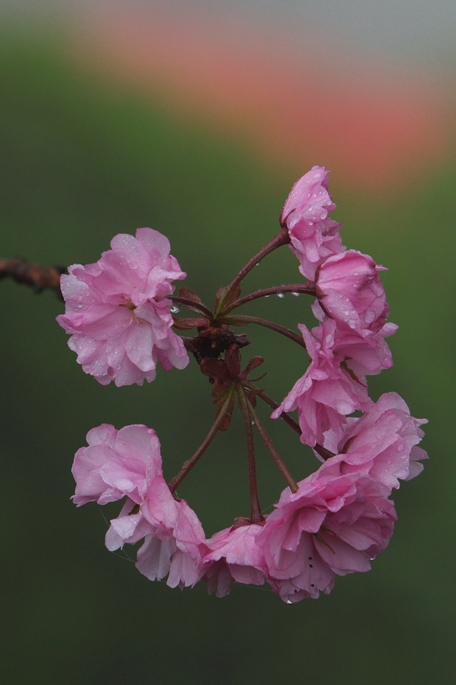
(175, 309)
(295, 294)
(281, 295)
(289, 601)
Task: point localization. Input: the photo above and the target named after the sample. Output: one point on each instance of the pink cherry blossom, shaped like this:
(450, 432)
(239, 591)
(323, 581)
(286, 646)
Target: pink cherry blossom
(128, 463)
(233, 555)
(117, 312)
(327, 392)
(314, 236)
(381, 444)
(351, 292)
(178, 554)
(333, 525)
(116, 463)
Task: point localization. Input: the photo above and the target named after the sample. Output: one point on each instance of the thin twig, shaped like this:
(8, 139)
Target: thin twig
(190, 463)
(255, 508)
(283, 468)
(270, 402)
(34, 275)
(306, 288)
(243, 318)
(281, 238)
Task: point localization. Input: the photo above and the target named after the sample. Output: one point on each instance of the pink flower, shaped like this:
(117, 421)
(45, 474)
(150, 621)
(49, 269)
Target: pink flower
(367, 354)
(116, 463)
(233, 555)
(128, 463)
(333, 525)
(327, 392)
(178, 554)
(314, 236)
(381, 444)
(117, 312)
(351, 292)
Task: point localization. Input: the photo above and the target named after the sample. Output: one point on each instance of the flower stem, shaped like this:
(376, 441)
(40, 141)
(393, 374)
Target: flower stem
(323, 452)
(270, 402)
(239, 320)
(190, 463)
(192, 304)
(307, 288)
(283, 468)
(255, 509)
(281, 238)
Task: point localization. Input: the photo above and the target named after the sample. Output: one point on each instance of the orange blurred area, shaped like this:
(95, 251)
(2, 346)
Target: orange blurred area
(375, 126)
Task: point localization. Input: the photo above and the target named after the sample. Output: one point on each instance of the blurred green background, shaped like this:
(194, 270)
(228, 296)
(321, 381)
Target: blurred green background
(82, 160)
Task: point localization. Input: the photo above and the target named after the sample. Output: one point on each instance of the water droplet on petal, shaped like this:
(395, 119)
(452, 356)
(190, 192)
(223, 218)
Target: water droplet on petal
(289, 601)
(175, 309)
(267, 296)
(257, 264)
(295, 294)
(281, 295)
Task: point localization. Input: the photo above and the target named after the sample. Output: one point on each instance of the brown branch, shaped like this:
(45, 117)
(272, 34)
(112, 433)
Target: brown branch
(34, 275)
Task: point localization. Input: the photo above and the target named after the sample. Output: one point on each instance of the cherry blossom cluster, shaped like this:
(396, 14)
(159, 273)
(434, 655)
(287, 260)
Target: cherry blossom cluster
(121, 314)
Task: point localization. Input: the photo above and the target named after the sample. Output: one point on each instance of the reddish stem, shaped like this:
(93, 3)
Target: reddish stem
(284, 416)
(192, 305)
(307, 288)
(190, 463)
(281, 238)
(242, 318)
(283, 468)
(322, 451)
(255, 508)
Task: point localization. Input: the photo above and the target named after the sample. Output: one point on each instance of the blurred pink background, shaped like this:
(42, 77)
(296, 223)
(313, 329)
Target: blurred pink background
(297, 97)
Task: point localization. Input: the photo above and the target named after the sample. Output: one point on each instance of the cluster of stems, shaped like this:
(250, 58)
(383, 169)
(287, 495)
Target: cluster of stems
(216, 326)
(234, 381)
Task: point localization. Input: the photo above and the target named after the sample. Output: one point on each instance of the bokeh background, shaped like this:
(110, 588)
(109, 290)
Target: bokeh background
(195, 117)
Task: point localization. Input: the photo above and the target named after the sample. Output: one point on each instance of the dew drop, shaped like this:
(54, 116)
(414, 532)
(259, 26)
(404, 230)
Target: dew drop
(281, 295)
(175, 309)
(295, 294)
(289, 601)
(257, 264)
(267, 296)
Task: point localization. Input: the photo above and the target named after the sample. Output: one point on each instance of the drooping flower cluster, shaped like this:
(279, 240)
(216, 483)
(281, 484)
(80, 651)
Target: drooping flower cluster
(127, 463)
(334, 522)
